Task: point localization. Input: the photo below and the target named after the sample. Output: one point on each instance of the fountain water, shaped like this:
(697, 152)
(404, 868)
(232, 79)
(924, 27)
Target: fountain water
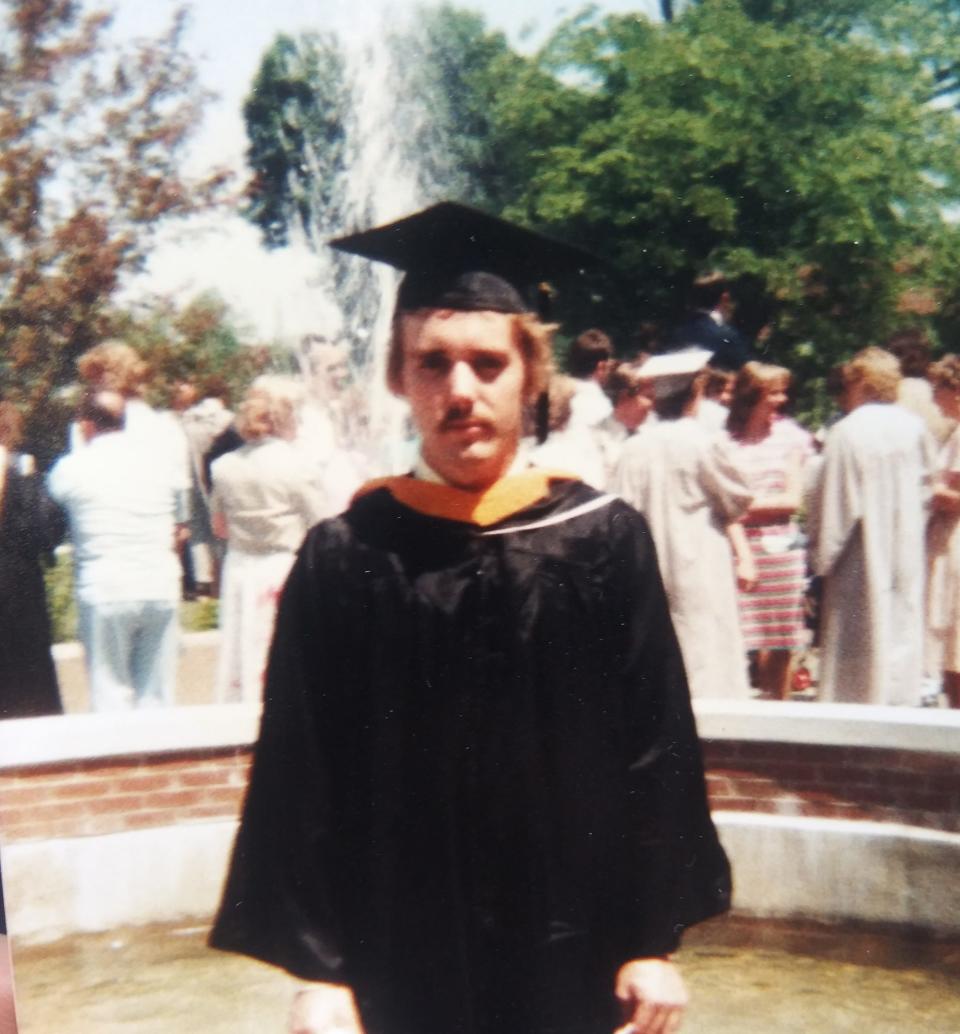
(362, 177)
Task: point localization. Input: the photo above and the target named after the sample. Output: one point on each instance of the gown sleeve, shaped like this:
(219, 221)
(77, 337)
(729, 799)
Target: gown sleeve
(724, 481)
(681, 872)
(279, 902)
(838, 501)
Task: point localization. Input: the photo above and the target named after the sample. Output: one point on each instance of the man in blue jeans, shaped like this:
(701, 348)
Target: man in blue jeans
(122, 504)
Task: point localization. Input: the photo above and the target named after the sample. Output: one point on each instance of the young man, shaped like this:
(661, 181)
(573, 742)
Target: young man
(632, 399)
(478, 797)
(589, 361)
(708, 324)
(122, 508)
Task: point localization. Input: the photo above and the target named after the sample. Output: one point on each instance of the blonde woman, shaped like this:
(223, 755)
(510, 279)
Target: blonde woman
(867, 523)
(771, 452)
(264, 499)
(943, 538)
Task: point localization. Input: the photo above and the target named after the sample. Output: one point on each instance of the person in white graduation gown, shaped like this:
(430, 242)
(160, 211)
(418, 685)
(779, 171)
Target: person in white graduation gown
(867, 518)
(685, 482)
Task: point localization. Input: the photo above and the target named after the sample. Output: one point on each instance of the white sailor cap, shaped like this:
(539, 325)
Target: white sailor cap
(673, 371)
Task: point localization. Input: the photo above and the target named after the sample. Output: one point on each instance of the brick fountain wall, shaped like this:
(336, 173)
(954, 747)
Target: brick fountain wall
(89, 804)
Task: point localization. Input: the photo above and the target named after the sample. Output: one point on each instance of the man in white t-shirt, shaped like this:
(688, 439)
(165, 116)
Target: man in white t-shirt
(122, 513)
(589, 362)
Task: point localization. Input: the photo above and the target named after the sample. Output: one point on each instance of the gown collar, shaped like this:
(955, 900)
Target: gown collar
(506, 497)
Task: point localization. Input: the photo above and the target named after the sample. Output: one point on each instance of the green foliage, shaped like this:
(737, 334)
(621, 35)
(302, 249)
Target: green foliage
(195, 615)
(791, 143)
(810, 163)
(200, 615)
(61, 605)
(200, 342)
(295, 117)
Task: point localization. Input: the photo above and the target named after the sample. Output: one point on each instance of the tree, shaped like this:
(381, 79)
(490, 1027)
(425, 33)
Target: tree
(199, 342)
(299, 116)
(813, 164)
(791, 144)
(90, 146)
(927, 29)
(296, 116)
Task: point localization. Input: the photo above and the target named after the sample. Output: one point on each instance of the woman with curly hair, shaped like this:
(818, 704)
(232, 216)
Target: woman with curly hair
(943, 539)
(771, 451)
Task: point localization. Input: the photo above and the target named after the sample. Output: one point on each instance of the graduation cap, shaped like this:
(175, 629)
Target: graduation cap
(457, 257)
(673, 371)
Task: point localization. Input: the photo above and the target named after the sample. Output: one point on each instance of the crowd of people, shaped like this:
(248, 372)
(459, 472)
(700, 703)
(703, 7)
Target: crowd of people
(758, 522)
(771, 539)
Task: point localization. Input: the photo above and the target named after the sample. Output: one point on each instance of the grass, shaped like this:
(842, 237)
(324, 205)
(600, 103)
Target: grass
(195, 615)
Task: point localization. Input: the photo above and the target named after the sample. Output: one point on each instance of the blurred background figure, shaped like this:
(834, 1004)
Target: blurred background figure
(588, 362)
(942, 657)
(569, 446)
(182, 397)
(632, 399)
(708, 324)
(122, 506)
(331, 427)
(31, 524)
(688, 486)
(771, 452)
(714, 405)
(265, 497)
(867, 521)
(115, 366)
(202, 421)
(913, 350)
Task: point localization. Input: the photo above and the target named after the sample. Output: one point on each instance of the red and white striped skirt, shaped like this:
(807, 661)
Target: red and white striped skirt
(771, 616)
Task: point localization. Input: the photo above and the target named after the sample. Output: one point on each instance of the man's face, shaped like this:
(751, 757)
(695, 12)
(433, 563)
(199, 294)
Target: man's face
(463, 375)
(948, 399)
(184, 396)
(634, 406)
(330, 368)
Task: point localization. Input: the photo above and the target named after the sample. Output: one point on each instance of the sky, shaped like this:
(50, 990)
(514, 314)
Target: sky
(270, 292)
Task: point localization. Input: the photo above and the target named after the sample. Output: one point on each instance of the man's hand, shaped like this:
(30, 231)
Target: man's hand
(653, 997)
(324, 1009)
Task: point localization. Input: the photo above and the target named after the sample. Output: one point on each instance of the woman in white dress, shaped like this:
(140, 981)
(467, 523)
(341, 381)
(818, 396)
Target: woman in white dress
(264, 499)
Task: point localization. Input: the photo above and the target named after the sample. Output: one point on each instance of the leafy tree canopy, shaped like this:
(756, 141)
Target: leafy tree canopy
(295, 116)
(815, 165)
(200, 342)
(90, 146)
(809, 148)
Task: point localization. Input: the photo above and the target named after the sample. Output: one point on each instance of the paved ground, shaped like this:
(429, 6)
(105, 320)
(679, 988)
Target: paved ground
(745, 979)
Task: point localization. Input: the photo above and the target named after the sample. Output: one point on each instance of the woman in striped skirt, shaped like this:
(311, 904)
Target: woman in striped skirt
(771, 450)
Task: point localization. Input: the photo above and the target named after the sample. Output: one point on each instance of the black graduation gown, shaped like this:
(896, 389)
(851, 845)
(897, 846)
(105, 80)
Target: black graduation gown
(31, 524)
(478, 788)
(730, 348)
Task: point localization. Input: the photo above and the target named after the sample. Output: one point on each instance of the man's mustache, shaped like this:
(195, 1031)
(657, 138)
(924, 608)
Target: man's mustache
(458, 417)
